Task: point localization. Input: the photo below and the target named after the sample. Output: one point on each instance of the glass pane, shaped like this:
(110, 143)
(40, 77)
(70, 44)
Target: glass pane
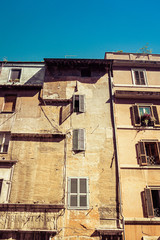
(73, 185)
(144, 110)
(15, 74)
(73, 201)
(83, 187)
(83, 201)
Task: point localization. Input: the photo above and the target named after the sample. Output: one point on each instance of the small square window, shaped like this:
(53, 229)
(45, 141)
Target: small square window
(139, 77)
(9, 103)
(78, 193)
(15, 75)
(4, 142)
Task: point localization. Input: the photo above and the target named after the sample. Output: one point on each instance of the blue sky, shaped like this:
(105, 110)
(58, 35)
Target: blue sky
(32, 30)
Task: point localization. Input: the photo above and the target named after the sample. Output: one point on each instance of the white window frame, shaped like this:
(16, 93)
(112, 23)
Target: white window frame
(3, 141)
(10, 72)
(139, 70)
(78, 194)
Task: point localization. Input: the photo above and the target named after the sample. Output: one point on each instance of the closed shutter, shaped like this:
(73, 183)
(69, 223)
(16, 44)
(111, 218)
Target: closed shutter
(136, 117)
(149, 202)
(66, 112)
(155, 115)
(142, 81)
(83, 188)
(9, 104)
(142, 153)
(81, 142)
(78, 140)
(81, 103)
(136, 76)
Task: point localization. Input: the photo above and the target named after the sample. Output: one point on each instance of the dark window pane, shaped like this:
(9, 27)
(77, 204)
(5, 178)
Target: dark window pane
(15, 74)
(83, 187)
(83, 201)
(73, 185)
(73, 201)
(1, 181)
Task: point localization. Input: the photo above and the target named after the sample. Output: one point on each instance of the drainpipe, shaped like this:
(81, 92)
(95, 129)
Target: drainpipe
(115, 141)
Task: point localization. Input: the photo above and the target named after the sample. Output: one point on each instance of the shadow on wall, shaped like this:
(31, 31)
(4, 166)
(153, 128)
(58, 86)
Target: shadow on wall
(37, 78)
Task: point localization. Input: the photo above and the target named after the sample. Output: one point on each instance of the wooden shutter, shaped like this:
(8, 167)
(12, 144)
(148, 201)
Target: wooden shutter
(136, 76)
(78, 140)
(155, 115)
(81, 103)
(142, 81)
(149, 202)
(135, 115)
(142, 153)
(9, 103)
(66, 112)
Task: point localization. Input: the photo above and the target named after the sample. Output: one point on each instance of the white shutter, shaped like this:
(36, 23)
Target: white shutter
(81, 103)
(78, 139)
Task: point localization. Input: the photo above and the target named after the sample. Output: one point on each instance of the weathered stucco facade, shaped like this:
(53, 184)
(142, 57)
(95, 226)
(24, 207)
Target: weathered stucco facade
(136, 86)
(58, 173)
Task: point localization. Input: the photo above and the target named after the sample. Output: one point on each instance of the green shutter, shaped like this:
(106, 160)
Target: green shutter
(81, 103)
(155, 115)
(136, 117)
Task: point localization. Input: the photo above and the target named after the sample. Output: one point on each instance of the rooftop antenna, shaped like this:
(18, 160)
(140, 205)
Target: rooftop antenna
(66, 56)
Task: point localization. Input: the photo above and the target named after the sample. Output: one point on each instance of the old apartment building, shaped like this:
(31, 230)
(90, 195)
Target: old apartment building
(136, 89)
(58, 172)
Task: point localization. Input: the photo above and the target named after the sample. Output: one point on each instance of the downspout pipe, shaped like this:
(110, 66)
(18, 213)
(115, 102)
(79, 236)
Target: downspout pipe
(110, 74)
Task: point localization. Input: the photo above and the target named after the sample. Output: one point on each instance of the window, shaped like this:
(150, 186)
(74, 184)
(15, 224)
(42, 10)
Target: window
(85, 72)
(78, 193)
(4, 142)
(145, 115)
(139, 76)
(15, 75)
(9, 103)
(149, 152)
(78, 103)
(78, 140)
(152, 198)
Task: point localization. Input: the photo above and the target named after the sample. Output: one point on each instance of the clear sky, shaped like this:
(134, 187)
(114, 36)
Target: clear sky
(34, 29)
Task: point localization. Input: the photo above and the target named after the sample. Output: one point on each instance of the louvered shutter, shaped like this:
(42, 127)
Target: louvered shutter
(81, 142)
(142, 153)
(136, 76)
(66, 112)
(155, 115)
(142, 81)
(81, 103)
(1, 142)
(136, 117)
(78, 140)
(149, 202)
(75, 140)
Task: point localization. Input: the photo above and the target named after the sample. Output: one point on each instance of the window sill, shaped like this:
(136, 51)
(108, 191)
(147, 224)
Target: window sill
(78, 208)
(137, 128)
(139, 167)
(7, 112)
(142, 220)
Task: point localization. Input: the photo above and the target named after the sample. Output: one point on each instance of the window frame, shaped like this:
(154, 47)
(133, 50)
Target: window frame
(133, 70)
(149, 200)
(78, 194)
(142, 152)
(10, 74)
(14, 97)
(81, 103)
(136, 118)
(4, 140)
